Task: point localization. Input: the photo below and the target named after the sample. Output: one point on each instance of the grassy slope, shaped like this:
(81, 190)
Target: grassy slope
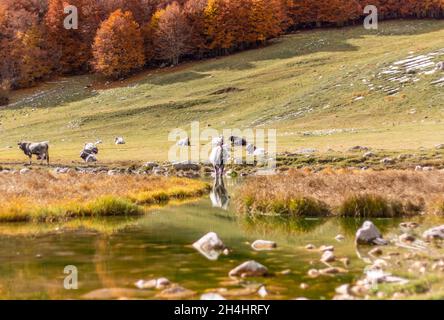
(298, 72)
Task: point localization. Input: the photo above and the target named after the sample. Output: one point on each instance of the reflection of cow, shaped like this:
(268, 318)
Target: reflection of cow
(219, 195)
(40, 149)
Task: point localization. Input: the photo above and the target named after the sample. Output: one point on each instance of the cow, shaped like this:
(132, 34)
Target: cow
(238, 141)
(185, 142)
(89, 152)
(119, 140)
(219, 157)
(40, 149)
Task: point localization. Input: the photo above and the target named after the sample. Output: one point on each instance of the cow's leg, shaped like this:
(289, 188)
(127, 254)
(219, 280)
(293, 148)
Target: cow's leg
(47, 158)
(30, 159)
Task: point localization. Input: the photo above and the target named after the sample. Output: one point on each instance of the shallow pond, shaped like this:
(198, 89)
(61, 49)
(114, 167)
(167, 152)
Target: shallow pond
(33, 258)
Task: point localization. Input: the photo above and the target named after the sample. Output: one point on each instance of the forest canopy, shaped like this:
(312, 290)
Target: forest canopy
(118, 37)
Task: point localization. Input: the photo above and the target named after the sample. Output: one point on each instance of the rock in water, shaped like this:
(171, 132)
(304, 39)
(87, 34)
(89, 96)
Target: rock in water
(405, 237)
(176, 293)
(339, 237)
(160, 283)
(260, 245)
(210, 246)
(249, 269)
(211, 296)
(328, 256)
(263, 292)
(375, 252)
(374, 277)
(434, 233)
(369, 234)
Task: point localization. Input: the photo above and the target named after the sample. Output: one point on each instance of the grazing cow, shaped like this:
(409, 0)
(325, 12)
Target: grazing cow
(238, 141)
(40, 149)
(89, 152)
(219, 157)
(253, 150)
(185, 142)
(119, 140)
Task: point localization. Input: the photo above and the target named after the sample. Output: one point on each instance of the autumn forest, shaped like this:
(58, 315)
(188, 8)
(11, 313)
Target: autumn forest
(118, 37)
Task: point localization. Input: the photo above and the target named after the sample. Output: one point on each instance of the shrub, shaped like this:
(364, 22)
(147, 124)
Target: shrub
(368, 205)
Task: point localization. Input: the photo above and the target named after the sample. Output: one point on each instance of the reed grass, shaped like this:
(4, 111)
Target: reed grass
(347, 193)
(43, 196)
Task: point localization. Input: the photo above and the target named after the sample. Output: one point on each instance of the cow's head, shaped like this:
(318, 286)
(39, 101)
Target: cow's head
(22, 146)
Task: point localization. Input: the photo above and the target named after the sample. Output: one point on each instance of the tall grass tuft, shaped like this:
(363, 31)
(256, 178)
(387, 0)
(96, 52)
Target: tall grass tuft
(348, 193)
(42, 196)
(369, 205)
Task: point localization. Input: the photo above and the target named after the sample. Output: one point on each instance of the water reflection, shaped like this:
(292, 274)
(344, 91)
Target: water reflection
(219, 194)
(281, 224)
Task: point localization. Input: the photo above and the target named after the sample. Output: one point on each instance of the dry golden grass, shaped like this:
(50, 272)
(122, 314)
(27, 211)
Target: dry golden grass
(386, 193)
(46, 196)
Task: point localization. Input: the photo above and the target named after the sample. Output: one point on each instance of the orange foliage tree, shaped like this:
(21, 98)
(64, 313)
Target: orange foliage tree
(118, 46)
(172, 34)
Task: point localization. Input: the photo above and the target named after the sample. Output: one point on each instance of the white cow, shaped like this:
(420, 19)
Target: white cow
(219, 156)
(119, 140)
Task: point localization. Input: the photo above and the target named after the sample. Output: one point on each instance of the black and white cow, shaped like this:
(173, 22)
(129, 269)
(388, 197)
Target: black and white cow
(89, 152)
(40, 149)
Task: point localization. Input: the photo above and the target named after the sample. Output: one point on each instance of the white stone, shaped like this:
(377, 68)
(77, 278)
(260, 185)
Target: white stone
(210, 246)
(369, 234)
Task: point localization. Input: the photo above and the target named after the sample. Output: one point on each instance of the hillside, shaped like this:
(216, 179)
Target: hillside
(328, 88)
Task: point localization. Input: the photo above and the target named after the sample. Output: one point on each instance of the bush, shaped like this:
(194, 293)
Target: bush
(367, 205)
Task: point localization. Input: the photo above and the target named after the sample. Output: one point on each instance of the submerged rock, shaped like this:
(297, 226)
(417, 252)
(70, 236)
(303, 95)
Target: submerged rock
(115, 293)
(249, 269)
(374, 277)
(310, 247)
(160, 283)
(434, 233)
(303, 286)
(326, 248)
(369, 234)
(313, 273)
(375, 252)
(176, 293)
(406, 238)
(262, 292)
(211, 296)
(339, 237)
(332, 271)
(409, 225)
(261, 245)
(210, 246)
